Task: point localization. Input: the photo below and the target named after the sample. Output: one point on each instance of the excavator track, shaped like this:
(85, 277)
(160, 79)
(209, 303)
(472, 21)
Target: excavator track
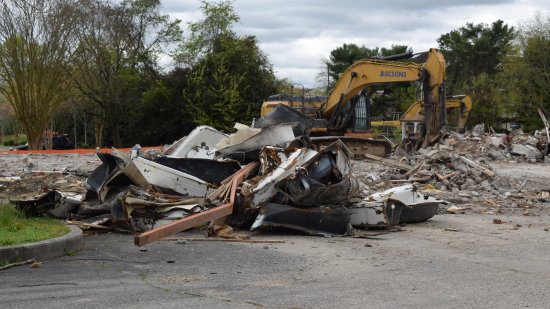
(357, 145)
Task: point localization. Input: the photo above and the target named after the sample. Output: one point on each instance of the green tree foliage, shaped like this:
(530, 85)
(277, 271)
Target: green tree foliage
(230, 74)
(474, 55)
(342, 57)
(116, 57)
(35, 43)
(525, 79)
(161, 115)
(472, 50)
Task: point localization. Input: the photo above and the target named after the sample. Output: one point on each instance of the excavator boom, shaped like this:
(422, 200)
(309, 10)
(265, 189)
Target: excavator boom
(431, 72)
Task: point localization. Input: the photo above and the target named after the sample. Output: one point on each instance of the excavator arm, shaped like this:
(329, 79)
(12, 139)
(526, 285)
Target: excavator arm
(368, 71)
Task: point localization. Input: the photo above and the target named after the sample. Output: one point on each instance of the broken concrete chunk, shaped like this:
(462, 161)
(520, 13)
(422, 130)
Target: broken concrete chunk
(526, 150)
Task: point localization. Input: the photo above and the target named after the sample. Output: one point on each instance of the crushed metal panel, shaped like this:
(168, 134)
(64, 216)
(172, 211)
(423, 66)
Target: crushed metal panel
(286, 114)
(243, 133)
(312, 177)
(325, 179)
(200, 143)
(97, 178)
(201, 217)
(271, 157)
(169, 178)
(265, 189)
(67, 203)
(151, 206)
(117, 171)
(272, 136)
(375, 214)
(93, 206)
(211, 171)
(314, 221)
(52, 203)
(404, 204)
(304, 191)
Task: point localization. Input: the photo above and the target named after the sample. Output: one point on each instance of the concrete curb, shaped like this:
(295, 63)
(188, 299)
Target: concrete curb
(45, 249)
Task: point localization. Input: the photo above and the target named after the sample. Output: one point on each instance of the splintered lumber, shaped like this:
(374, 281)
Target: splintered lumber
(199, 218)
(415, 168)
(388, 162)
(183, 224)
(484, 170)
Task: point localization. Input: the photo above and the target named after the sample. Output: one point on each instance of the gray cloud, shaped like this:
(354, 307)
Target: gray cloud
(297, 34)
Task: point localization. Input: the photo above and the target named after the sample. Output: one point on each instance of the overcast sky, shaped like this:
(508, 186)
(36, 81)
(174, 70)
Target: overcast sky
(297, 34)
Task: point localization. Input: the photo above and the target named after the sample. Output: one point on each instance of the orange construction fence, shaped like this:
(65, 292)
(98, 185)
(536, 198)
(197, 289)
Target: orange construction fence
(75, 151)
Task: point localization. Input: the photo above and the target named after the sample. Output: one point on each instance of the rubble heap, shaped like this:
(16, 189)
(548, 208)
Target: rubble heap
(255, 178)
(458, 169)
(265, 176)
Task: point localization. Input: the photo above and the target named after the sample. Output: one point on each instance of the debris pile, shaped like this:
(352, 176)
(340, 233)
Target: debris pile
(515, 146)
(255, 178)
(458, 169)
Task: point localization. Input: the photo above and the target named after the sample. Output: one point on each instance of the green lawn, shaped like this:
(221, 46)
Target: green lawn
(16, 229)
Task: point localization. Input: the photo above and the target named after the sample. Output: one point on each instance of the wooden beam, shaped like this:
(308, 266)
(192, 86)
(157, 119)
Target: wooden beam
(484, 170)
(390, 162)
(198, 218)
(183, 224)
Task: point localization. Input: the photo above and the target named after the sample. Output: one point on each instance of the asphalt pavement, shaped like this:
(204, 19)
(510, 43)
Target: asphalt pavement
(451, 261)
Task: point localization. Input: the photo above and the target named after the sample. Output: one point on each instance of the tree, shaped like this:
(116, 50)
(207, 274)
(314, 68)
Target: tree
(159, 116)
(35, 43)
(472, 50)
(342, 57)
(217, 22)
(116, 57)
(230, 74)
(525, 78)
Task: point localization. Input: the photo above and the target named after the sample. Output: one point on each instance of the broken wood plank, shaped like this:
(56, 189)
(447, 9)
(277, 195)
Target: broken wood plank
(490, 203)
(442, 178)
(198, 218)
(388, 162)
(471, 163)
(183, 224)
(528, 197)
(415, 168)
(452, 174)
(412, 179)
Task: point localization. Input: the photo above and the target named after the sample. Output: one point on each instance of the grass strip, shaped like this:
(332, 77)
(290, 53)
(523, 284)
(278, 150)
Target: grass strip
(16, 229)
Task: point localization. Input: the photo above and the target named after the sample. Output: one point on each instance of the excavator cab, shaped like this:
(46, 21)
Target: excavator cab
(360, 121)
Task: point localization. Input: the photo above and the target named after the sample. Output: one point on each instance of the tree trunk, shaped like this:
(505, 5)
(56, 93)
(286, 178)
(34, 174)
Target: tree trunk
(115, 135)
(35, 141)
(98, 133)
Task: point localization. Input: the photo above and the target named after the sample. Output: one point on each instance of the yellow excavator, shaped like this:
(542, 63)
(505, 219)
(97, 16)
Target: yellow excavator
(458, 111)
(344, 114)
